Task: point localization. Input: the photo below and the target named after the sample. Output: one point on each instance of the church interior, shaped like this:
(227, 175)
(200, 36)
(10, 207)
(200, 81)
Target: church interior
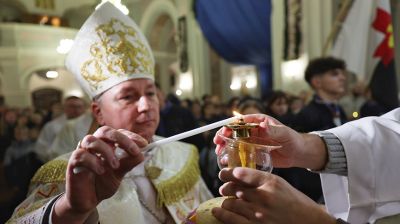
(209, 56)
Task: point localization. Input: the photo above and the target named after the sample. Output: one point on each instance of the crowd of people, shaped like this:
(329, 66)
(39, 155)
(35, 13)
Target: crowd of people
(128, 110)
(27, 135)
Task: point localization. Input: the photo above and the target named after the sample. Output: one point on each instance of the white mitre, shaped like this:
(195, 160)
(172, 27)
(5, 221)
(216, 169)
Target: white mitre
(109, 49)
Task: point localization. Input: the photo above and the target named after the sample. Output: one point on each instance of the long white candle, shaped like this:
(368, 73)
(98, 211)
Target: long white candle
(119, 153)
(190, 133)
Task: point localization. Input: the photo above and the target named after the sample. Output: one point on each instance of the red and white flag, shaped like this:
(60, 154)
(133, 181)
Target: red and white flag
(366, 43)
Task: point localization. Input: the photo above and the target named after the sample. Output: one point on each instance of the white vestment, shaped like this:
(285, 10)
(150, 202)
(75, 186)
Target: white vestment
(372, 188)
(47, 136)
(68, 137)
(170, 176)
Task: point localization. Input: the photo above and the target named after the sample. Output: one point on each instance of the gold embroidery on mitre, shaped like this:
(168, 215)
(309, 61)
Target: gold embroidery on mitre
(53, 171)
(120, 52)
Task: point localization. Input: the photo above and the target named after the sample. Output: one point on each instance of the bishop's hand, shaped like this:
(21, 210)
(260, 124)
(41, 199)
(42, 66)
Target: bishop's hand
(101, 172)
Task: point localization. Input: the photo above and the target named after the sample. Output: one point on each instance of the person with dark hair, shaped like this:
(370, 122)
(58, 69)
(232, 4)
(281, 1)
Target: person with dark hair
(7, 124)
(20, 164)
(231, 106)
(278, 107)
(196, 110)
(206, 98)
(2, 100)
(73, 108)
(326, 76)
(173, 99)
(371, 107)
(320, 66)
(295, 105)
(175, 119)
(250, 105)
(208, 159)
(208, 162)
(187, 103)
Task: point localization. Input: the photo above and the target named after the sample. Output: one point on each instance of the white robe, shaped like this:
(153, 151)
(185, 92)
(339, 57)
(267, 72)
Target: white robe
(47, 136)
(372, 188)
(68, 137)
(169, 176)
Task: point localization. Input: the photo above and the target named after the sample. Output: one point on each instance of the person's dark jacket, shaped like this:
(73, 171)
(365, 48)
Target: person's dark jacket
(316, 116)
(175, 119)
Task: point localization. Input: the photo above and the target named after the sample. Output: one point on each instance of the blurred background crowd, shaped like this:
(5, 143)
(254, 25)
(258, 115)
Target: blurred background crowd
(204, 69)
(21, 153)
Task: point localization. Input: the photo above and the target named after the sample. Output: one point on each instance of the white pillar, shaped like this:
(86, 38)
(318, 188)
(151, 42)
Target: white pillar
(198, 53)
(277, 29)
(317, 18)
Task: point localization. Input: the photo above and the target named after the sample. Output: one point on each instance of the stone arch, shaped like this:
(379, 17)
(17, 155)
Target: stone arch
(28, 72)
(159, 23)
(65, 83)
(154, 11)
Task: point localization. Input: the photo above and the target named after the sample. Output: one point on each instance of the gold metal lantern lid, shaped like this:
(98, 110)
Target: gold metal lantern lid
(241, 129)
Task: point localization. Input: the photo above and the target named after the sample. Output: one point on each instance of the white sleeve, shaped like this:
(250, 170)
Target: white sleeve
(372, 147)
(43, 142)
(92, 219)
(64, 142)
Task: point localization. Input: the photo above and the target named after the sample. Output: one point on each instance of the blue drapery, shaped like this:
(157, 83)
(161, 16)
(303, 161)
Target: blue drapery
(239, 31)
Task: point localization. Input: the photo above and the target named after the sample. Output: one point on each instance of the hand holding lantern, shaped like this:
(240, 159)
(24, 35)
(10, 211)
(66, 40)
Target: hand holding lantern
(241, 150)
(244, 150)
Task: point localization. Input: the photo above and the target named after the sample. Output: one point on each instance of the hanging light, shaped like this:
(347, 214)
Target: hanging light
(51, 74)
(178, 92)
(64, 46)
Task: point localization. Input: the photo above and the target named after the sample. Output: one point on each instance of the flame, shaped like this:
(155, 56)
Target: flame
(237, 114)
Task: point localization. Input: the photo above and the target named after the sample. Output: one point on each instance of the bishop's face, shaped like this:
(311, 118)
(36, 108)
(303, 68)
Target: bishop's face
(130, 105)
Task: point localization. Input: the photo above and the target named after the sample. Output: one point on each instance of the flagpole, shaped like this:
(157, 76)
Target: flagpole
(337, 25)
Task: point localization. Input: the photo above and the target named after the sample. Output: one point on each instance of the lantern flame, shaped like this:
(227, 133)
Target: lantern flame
(236, 114)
